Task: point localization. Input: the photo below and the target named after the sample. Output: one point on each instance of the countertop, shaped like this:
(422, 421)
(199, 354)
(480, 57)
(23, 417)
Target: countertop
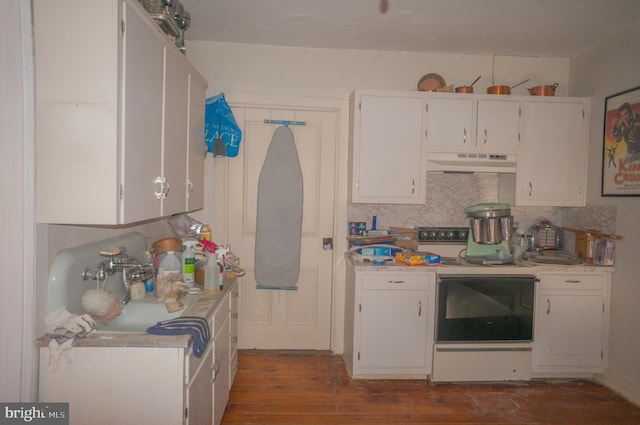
(519, 267)
(204, 307)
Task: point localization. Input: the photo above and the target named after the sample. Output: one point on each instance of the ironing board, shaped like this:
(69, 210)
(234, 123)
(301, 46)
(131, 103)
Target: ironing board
(279, 214)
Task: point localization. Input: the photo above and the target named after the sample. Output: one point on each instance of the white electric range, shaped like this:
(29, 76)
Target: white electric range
(484, 313)
(451, 243)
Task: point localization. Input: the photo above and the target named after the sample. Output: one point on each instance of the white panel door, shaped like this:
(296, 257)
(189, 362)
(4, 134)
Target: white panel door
(285, 319)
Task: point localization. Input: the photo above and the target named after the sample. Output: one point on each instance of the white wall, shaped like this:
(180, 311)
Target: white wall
(242, 68)
(325, 73)
(601, 73)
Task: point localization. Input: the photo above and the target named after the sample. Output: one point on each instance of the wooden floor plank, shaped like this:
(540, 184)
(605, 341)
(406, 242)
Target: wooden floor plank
(287, 388)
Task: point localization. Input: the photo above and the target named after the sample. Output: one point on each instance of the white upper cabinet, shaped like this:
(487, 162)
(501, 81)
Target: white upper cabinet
(552, 160)
(469, 123)
(120, 112)
(386, 147)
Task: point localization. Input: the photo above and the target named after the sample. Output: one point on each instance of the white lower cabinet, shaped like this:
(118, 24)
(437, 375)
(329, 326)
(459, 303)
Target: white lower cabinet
(571, 317)
(109, 385)
(389, 323)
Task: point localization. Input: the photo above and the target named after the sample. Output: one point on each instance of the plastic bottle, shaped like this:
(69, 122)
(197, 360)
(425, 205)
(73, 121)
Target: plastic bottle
(170, 263)
(211, 273)
(148, 284)
(221, 253)
(189, 263)
(205, 232)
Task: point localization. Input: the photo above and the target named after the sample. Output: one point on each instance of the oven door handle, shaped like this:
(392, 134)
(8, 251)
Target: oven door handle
(468, 349)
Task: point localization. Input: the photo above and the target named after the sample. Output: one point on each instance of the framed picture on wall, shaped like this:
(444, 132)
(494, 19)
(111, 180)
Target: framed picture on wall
(621, 144)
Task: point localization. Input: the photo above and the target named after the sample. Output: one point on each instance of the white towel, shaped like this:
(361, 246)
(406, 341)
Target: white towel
(279, 215)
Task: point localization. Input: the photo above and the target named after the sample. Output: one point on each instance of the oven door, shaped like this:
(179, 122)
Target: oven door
(485, 308)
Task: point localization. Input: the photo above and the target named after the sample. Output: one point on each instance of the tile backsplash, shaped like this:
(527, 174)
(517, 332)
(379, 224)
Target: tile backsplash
(448, 194)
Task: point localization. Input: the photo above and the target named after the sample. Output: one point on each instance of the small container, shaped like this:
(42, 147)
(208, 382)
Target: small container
(137, 291)
(205, 232)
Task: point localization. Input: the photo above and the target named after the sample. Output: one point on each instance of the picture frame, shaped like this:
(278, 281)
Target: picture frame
(621, 144)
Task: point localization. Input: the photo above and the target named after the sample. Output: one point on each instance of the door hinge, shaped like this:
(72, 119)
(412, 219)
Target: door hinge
(186, 412)
(360, 308)
(603, 307)
(519, 112)
(426, 107)
(121, 191)
(122, 26)
(360, 106)
(601, 354)
(358, 355)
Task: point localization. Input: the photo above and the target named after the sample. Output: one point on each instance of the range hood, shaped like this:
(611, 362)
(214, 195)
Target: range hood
(471, 162)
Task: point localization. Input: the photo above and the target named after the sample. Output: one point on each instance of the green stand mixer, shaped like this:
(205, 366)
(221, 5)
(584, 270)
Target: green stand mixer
(489, 234)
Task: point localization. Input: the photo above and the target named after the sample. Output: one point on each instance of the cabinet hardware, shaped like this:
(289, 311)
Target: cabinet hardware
(189, 188)
(485, 136)
(395, 281)
(121, 191)
(186, 412)
(413, 186)
(160, 181)
(234, 339)
(548, 306)
(360, 308)
(234, 315)
(464, 136)
(419, 308)
(572, 281)
(530, 188)
(215, 366)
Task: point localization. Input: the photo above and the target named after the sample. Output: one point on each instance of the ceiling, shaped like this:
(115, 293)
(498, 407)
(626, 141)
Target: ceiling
(548, 28)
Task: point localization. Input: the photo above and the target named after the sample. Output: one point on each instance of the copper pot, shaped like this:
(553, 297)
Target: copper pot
(543, 90)
(464, 89)
(166, 245)
(503, 89)
(499, 90)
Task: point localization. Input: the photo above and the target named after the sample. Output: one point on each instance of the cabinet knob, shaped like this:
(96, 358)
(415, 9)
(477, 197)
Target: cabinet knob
(189, 188)
(159, 181)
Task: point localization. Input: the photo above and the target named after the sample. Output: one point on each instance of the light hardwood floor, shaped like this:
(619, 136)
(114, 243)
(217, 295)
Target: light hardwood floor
(292, 388)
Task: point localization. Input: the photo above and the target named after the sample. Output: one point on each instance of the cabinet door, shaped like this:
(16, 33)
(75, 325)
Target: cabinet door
(200, 393)
(221, 383)
(197, 147)
(568, 331)
(174, 149)
(393, 329)
(387, 156)
(233, 333)
(551, 169)
(498, 124)
(142, 120)
(450, 123)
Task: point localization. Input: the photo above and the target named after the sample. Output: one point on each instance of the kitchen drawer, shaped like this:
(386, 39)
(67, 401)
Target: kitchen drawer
(582, 282)
(395, 281)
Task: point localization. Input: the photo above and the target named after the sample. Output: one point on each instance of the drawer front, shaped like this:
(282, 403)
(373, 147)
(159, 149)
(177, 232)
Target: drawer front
(219, 316)
(583, 282)
(395, 281)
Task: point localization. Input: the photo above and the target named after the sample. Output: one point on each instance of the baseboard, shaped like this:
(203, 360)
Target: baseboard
(620, 384)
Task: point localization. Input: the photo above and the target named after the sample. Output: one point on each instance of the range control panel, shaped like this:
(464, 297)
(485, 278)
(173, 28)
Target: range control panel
(442, 234)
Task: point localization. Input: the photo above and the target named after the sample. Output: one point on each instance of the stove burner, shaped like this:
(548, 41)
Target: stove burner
(443, 234)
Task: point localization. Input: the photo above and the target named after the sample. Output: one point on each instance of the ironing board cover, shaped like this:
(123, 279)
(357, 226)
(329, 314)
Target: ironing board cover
(279, 214)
